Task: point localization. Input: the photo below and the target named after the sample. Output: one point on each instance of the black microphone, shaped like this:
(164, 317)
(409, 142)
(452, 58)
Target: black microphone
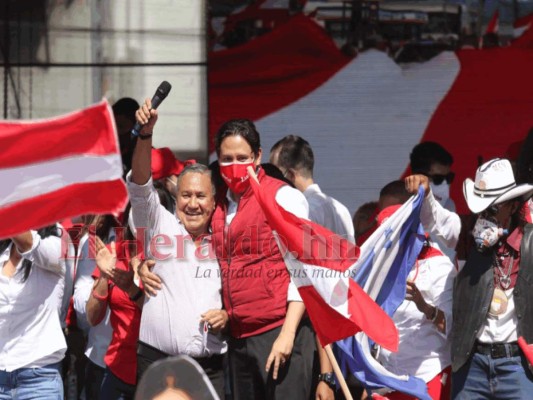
(160, 94)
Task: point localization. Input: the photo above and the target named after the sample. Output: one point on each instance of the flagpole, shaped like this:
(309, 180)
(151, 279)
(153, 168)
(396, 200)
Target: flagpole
(338, 373)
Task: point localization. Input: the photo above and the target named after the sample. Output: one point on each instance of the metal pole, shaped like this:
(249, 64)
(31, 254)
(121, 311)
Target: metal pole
(6, 57)
(96, 48)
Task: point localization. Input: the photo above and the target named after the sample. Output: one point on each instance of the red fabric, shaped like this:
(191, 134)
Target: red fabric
(527, 349)
(428, 252)
(71, 319)
(254, 277)
(439, 388)
(387, 212)
(484, 105)
(528, 211)
(523, 21)
(526, 39)
(125, 318)
(492, 26)
(72, 200)
(315, 245)
(164, 163)
(246, 82)
(88, 131)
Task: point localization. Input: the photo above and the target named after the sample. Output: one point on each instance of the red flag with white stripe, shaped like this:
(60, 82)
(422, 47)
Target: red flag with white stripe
(320, 264)
(494, 25)
(58, 168)
(522, 25)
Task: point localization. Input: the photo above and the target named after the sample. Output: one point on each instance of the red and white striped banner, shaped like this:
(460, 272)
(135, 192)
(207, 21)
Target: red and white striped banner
(58, 168)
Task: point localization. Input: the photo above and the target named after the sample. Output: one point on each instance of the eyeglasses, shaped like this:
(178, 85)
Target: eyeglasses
(437, 179)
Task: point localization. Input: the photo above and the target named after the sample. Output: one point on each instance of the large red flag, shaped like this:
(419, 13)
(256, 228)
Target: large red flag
(58, 168)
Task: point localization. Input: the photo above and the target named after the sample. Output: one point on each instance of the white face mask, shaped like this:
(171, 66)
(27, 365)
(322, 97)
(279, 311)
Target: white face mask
(440, 192)
(487, 232)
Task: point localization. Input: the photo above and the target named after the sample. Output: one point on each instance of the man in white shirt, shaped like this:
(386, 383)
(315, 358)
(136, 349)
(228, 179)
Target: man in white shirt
(424, 321)
(185, 315)
(434, 161)
(443, 225)
(492, 293)
(294, 157)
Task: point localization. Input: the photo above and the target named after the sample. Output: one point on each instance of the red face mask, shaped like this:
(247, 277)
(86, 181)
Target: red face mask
(236, 176)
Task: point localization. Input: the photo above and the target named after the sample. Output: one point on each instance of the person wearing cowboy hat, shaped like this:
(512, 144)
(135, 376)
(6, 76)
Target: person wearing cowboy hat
(493, 300)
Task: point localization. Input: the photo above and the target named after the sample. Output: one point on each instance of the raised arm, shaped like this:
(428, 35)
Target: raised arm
(142, 155)
(97, 303)
(44, 253)
(438, 221)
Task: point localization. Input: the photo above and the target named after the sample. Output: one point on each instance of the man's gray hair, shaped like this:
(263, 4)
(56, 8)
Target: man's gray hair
(198, 169)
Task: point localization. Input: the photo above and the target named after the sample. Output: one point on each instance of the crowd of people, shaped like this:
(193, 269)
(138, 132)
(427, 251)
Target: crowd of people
(192, 268)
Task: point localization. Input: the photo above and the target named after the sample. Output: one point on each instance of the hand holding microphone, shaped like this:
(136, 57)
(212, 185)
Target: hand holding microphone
(147, 115)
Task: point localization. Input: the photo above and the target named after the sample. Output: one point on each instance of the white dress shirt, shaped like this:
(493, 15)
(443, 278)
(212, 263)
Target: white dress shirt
(328, 212)
(443, 225)
(191, 281)
(30, 329)
(424, 352)
(98, 336)
(293, 201)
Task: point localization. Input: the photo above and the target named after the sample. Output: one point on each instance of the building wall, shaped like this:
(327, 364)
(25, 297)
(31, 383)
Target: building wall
(113, 32)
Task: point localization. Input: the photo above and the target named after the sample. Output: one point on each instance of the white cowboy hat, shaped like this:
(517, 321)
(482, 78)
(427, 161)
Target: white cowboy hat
(494, 184)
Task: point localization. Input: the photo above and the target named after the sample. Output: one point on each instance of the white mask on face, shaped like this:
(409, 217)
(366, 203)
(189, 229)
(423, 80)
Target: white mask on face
(440, 192)
(487, 232)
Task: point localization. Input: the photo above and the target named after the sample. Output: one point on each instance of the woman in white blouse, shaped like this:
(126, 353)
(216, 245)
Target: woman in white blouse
(32, 343)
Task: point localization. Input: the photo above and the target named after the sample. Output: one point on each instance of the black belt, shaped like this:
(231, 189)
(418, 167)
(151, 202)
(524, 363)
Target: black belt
(153, 354)
(498, 350)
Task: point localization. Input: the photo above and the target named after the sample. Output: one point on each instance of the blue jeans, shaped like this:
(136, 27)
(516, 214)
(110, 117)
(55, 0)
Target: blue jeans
(484, 377)
(32, 383)
(114, 388)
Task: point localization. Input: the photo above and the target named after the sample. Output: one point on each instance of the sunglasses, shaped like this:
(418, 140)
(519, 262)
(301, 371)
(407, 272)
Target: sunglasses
(437, 179)
(492, 211)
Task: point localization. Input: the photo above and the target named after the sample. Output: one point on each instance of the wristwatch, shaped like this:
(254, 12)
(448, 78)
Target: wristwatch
(328, 378)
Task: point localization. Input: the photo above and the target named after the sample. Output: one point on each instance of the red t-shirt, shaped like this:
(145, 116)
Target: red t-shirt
(125, 318)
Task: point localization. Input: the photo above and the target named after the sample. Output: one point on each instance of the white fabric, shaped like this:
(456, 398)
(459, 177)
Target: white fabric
(98, 336)
(501, 328)
(443, 225)
(30, 329)
(191, 281)
(424, 352)
(49, 176)
(328, 212)
(293, 201)
(441, 192)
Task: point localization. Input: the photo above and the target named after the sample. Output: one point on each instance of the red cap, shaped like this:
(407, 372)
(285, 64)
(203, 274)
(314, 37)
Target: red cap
(164, 163)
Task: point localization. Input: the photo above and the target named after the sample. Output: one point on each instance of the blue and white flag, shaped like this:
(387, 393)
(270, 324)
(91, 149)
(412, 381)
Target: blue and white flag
(386, 259)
